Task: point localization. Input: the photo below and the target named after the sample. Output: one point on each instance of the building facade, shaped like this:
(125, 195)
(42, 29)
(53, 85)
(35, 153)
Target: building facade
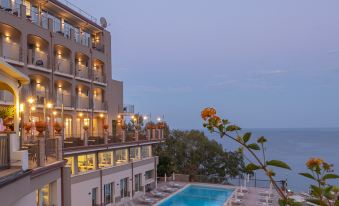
(71, 140)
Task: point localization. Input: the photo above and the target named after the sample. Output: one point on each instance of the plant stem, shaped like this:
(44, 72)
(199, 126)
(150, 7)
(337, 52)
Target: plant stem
(281, 193)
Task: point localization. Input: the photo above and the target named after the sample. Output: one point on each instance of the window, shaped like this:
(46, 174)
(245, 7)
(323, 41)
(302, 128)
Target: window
(86, 162)
(137, 184)
(94, 196)
(122, 157)
(135, 153)
(70, 162)
(124, 187)
(42, 196)
(108, 193)
(148, 174)
(105, 159)
(146, 151)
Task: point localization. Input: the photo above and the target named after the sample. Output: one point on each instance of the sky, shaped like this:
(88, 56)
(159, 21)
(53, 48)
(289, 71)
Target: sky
(260, 63)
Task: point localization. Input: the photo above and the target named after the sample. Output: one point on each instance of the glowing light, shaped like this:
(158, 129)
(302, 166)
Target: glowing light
(49, 105)
(33, 108)
(55, 113)
(158, 119)
(81, 114)
(30, 100)
(145, 117)
(101, 115)
(22, 107)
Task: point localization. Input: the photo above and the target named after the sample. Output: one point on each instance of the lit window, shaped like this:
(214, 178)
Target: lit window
(70, 162)
(86, 162)
(42, 196)
(105, 159)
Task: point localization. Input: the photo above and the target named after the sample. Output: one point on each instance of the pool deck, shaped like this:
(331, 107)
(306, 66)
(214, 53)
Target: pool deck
(251, 198)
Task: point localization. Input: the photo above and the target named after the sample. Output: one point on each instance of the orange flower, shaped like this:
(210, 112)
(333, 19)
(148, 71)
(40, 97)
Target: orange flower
(208, 112)
(214, 120)
(313, 162)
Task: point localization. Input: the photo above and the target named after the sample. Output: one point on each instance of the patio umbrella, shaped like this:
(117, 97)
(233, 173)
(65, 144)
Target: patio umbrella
(165, 178)
(173, 177)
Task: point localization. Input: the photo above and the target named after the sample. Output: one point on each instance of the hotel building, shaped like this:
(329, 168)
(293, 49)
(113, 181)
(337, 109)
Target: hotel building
(71, 140)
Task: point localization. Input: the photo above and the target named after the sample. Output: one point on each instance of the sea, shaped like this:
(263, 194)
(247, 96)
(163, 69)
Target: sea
(295, 147)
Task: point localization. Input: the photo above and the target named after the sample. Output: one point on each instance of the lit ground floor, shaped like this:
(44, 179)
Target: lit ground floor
(114, 185)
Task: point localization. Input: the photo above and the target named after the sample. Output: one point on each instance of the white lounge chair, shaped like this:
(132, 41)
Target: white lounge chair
(175, 185)
(158, 194)
(236, 201)
(146, 200)
(168, 189)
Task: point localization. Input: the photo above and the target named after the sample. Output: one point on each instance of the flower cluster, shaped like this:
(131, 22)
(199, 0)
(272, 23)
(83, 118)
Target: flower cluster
(208, 113)
(314, 162)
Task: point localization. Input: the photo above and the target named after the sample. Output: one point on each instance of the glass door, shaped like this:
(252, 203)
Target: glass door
(124, 187)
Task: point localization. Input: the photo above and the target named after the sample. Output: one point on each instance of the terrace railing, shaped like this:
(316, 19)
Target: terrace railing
(4, 151)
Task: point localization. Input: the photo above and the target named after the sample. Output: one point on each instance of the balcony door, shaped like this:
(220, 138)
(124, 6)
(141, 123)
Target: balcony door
(124, 187)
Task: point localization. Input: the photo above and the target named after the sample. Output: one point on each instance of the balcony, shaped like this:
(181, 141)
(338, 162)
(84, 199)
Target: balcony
(6, 98)
(63, 99)
(38, 59)
(126, 109)
(42, 152)
(63, 66)
(99, 105)
(98, 76)
(10, 50)
(82, 71)
(82, 102)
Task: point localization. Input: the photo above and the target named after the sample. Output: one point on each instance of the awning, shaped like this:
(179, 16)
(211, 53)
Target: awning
(13, 72)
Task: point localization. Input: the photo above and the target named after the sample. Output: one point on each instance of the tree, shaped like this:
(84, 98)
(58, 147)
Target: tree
(191, 152)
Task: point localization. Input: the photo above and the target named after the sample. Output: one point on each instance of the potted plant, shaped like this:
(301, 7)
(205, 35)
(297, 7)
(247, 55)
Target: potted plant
(57, 127)
(27, 127)
(40, 126)
(150, 125)
(85, 127)
(105, 126)
(161, 125)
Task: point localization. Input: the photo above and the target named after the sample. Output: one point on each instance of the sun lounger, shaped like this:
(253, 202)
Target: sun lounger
(146, 200)
(168, 189)
(236, 201)
(175, 185)
(264, 204)
(158, 194)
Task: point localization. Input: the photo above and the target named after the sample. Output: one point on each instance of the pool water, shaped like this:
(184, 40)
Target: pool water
(195, 195)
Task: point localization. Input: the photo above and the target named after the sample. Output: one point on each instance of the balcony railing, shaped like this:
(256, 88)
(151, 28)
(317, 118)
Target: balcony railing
(98, 46)
(99, 105)
(11, 51)
(127, 108)
(63, 66)
(64, 99)
(42, 151)
(98, 76)
(82, 102)
(40, 58)
(4, 151)
(82, 71)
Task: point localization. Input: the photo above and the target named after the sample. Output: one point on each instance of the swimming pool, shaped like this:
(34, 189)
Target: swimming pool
(198, 195)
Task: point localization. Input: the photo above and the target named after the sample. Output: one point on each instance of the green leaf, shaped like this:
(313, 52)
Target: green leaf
(246, 137)
(251, 167)
(316, 191)
(330, 176)
(232, 128)
(278, 163)
(308, 175)
(225, 121)
(253, 146)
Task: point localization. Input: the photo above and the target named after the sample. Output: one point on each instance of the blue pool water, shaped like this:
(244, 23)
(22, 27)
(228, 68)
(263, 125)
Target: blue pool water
(194, 195)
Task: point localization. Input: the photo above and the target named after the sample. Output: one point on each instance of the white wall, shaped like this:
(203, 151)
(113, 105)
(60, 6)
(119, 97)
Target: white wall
(80, 191)
(26, 200)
